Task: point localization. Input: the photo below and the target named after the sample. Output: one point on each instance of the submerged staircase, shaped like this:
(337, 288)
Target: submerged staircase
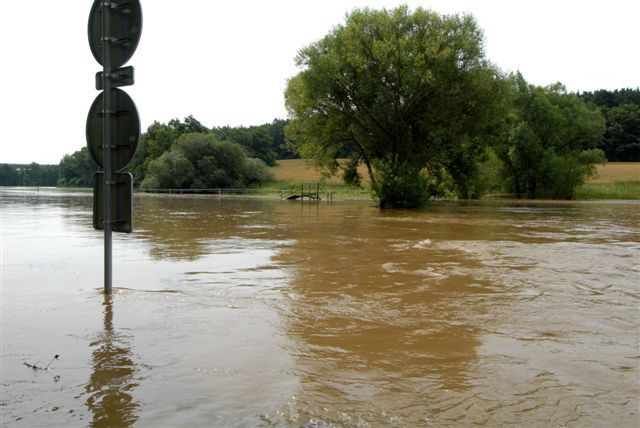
(310, 191)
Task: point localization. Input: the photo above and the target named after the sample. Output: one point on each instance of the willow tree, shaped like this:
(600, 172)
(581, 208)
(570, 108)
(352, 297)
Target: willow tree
(408, 93)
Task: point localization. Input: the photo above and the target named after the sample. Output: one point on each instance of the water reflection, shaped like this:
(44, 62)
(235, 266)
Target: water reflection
(113, 376)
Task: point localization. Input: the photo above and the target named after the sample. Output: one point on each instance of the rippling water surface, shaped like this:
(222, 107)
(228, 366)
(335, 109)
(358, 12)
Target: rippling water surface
(247, 312)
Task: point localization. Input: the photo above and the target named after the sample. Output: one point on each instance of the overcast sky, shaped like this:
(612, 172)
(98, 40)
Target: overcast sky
(227, 62)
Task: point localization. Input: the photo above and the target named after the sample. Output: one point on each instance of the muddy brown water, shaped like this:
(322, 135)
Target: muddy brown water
(253, 312)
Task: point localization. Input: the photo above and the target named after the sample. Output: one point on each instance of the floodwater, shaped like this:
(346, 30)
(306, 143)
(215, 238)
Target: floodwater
(254, 312)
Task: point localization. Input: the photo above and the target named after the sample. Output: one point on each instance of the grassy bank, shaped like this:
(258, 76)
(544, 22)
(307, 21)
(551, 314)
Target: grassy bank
(615, 190)
(615, 180)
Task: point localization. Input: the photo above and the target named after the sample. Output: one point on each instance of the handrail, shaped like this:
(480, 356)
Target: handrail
(309, 190)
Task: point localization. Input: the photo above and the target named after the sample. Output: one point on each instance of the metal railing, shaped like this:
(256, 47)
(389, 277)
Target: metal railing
(310, 191)
(214, 191)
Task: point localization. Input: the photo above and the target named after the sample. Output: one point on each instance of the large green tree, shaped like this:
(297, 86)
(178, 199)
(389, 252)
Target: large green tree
(408, 93)
(552, 145)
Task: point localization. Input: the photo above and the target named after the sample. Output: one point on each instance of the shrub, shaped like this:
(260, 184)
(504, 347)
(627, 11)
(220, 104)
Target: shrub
(199, 161)
(401, 185)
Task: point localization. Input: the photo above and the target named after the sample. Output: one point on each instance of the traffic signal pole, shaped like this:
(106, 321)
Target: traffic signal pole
(107, 144)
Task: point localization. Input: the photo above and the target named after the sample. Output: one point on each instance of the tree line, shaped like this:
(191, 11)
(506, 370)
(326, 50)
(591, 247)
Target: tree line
(178, 154)
(32, 174)
(620, 143)
(410, 95)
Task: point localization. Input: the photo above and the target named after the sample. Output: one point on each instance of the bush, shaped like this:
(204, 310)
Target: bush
(401, 185)
(199, 161)
(255, 172)
(564, 174)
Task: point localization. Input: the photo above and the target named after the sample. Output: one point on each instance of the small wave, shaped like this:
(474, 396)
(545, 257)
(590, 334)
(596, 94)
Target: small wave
(422, 244)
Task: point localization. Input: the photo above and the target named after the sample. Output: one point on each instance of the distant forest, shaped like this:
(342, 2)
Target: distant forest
(621, 143)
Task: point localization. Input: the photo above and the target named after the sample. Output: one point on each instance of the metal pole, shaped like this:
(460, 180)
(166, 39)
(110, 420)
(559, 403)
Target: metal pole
(106, 142)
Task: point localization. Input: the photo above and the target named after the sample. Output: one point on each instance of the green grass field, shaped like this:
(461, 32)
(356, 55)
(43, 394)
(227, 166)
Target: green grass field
(615, 190)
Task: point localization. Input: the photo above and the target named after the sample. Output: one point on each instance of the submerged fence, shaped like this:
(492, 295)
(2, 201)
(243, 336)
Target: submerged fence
(217, 191)
(309, 191)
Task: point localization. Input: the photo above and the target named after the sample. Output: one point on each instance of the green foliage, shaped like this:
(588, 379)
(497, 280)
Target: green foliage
(166, 158)
(622, 137)
(256, 140)
(172, 170)
(283, 148)
(564, 174)
(464, 169)
(350, 173)
(607, 99)
(190, 125)
(401, 185)
(32, 174)
(489, 173)
(615, 190)
(77, 169)
(218, 164)
(9, 175)
(266, 142)
(256, 173)
(157, 140)
(621, 109)
(200, 161)
(549, 149)
(560, 120)
(407, 90)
